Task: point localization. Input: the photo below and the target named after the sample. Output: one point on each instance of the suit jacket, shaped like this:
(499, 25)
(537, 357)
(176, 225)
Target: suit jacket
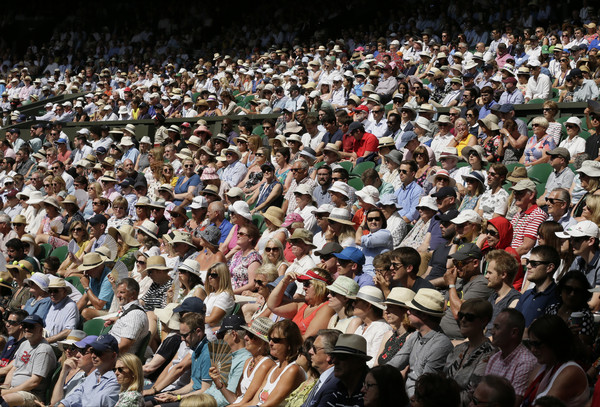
(324, 394)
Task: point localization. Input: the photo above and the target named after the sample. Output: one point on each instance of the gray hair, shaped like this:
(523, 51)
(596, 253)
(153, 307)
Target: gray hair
(303, 163)
(4, 218)
(330, 337)
(563, 195)
(540, 121)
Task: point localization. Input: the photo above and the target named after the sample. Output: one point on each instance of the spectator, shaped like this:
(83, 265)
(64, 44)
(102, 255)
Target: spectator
(350, 263)
(527, 221)
(495, 390)
(538, 145)
(409, 192)
(500, 274)
(350, 368)
(63, 315)
(98, 291)
(574, 143)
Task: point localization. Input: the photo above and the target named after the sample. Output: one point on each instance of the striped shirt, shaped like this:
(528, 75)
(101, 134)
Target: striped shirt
(133, 325)
(525, 224)
(515, 367)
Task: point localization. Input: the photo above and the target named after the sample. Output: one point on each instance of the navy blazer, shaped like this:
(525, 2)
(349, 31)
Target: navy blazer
(324, 394)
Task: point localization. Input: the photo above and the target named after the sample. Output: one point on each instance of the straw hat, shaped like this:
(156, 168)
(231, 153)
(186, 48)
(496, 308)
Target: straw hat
(351, 345)
(19, 219)
(517, 174)
(344, 286)
(372, 295)
(150, 228)
(275, 215)
(58, 283)
(156, 263)
(52, 201)
(126, 232)
(168, 317)
(341, 215)
(260, 327)
(428, 301)
(400, 296)
(90, 261)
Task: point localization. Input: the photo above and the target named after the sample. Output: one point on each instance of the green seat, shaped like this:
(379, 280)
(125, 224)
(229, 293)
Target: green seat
(141, 353)
(60, 252)
(534, 101)
(361, 167)
(461, 164)
(195, 96)
(93, 326)
(540, 171)
(259, 222)
(562, 119)
(52, 383)
(356, 183)
(258, 131)
(319, 164)
(46, 250)
(76, 282)
(584, 134)
(347, 165)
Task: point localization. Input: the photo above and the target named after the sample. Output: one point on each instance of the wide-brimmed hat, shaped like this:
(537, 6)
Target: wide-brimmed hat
(52, 201)
(127, 235)
(143, 201)
(400, 296)
(241, 208)
(489, 123)
(191, 266)
(475, 175)
(341, 215)
(150, 228)
(109, 176)
(90, 261)
(590, 168)
(477, 149)
(260, 328)
(372, 295)
(444, 174)
(341, 188)
(210, 190)
(428, 301)
(69, 199)
(423, 123)
(19, 219)
(233, 150)
(395, 156)
(449, 152)
(211, 234)
(524, 185)
(168, 316)
(304, 235)
(156, 263)
(344, 286)
(57, 282)
(39, 279)
(351, 345)
(517, 174)
(35, 197)
(182, 237)
(74, 336)
(275, 215)
(369, 194)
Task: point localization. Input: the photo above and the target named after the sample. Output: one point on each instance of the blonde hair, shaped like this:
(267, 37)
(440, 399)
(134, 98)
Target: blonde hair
(61, 181)
(224, 279)
(281, 259)
(199, 400)
(345, 232)
(132, 362)
(593, 204)
(269, 271)
(97, 188)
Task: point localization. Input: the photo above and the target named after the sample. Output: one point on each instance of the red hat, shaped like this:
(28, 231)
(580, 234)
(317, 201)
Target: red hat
(362, 108)
(318, 274)
(510, 79)
(185, 124)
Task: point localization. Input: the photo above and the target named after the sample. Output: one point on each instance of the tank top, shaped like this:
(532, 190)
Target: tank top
(303, 322)
(269, 386)
(247, 379)
(576, 401)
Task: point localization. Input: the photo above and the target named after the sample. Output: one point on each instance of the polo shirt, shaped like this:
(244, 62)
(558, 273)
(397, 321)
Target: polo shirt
(333, 138)
(348, 143)
(225, 228)
(102, 288)
(590, 270)
(532, 303)
(562, 179)
(200, 364)
(525, 224)
(368, 142)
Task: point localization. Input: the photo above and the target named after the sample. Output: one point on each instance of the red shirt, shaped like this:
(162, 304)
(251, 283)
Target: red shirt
(368, 142)
(348, 143)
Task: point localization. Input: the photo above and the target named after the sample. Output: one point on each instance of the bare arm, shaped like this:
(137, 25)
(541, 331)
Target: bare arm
(275, 299)
(527, 245)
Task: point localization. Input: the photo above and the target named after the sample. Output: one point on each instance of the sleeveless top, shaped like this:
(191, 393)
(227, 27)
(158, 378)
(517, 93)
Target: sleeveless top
(247, 379)
(577, 401)
(269, 386)
(303, 322)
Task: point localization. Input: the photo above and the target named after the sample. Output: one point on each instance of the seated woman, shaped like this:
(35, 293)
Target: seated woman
(312, 314)
(475, 187)
(170, 342)
(80, 235)
(539, 144)
(127, 244)
(130, 376)
(396, 316)
(273, 220)
(269, 191)
(467, 362)
(384, 387)
(256, 367)
(368, 308)
(39, 303)
(299, 396)
(286, 375)
(220, 300)
(246, 260)
(341, 299)
(209, 242)
(147, 237)
(190, 280)
(377, 240)
(120, 213)
(552, 343)
(51, 226)
(264, 275)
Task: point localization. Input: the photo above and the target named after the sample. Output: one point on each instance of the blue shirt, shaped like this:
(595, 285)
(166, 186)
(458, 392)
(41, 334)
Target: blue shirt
(533, 304)
(515, 98)
(486, 109)
(61, 316)
(200, 364)
(374, 244)
(40, 308)
(182, 187)
(436, 234)
(408, 198)
(238, 358)
(225, 227)
(102, 288)
(131, 154)
(96, 390)
(234, 174)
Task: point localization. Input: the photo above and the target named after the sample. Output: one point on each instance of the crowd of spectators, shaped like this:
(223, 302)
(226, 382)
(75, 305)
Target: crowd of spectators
(353, 247)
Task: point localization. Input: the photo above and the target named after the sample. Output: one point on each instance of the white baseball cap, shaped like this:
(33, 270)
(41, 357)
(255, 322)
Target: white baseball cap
(468, 215)
(581, 229)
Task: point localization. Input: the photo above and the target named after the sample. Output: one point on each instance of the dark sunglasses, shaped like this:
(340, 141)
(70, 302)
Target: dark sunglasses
(535, 263)
(491, 232)
(175, 215)
(271, 249)
(259, 282)
(467, 315)
(119, 369)
(53, 290)
(12, 323)
(276, 340)
(553, 200)
(377, 219)
(212, 275)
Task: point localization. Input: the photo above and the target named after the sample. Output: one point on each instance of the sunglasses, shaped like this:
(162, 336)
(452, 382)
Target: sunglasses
(461, 263)
(271, 249)
(403, 171)
(12, 323)
(258, 282)
(175, 215)
(553, 200)
(276, 340)
(54, 290)
(306, 284)
(184, 336)
(377, 219)
(535, 263)
(188, 166)
(119, 369)
(491, 232)
(212, 275)
(142, 262)
(467, 315)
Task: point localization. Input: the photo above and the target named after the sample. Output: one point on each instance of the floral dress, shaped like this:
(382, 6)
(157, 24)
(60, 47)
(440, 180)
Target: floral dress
(238, 267)
(392, 346)
(534, 149)
(130, 399)
(490, 147)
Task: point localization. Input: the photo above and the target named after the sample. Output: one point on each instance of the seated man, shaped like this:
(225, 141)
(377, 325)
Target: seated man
(350, 262)
(15, 333)
(63, 314)
(33, 366)
(100, 388)
(501, 271)
(131, 324)
(98, 291)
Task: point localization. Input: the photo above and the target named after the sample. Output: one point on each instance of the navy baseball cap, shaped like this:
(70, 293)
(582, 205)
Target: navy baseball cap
(105, 343)
(101, 150)
(355, 126)
(406, 137)
(85, 342)
(447, 216)
(234, 322)
(444, 192)
(32, 320)
(352, 254)
(506, 108)
(191, 304)
(94, 220)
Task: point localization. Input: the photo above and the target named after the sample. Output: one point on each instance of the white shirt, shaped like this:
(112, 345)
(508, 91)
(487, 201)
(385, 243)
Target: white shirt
(439, 143)
(538, 88)
(378, 128)
(576, 145)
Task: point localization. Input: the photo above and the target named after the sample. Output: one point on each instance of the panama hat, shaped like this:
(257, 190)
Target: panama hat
(126, 233)
(372, 295)
(90, 261)
(168, 316)
(428, 301)
(400, 296)
(344, 286)
(156, 263)
(260, 328)
(351, 345)
(150, 228)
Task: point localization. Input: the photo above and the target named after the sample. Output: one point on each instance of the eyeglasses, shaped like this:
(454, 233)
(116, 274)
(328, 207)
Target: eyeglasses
(297, 169)
(176, 215)
(466, 315)
(167, 170)
(535, 263)
(242, 234)
(306, 284)
(396, 265)
(212, 275)
(535, 125)
(491, 232)
(12, 323)
(377, 219)
(336, 179)
(595, 117)
(403, 171)
(188, 166)
(276, 340)
(271, 249)
(553, 200)
(184, 336)
(119, 369)
(47, 185)
(96, 203)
